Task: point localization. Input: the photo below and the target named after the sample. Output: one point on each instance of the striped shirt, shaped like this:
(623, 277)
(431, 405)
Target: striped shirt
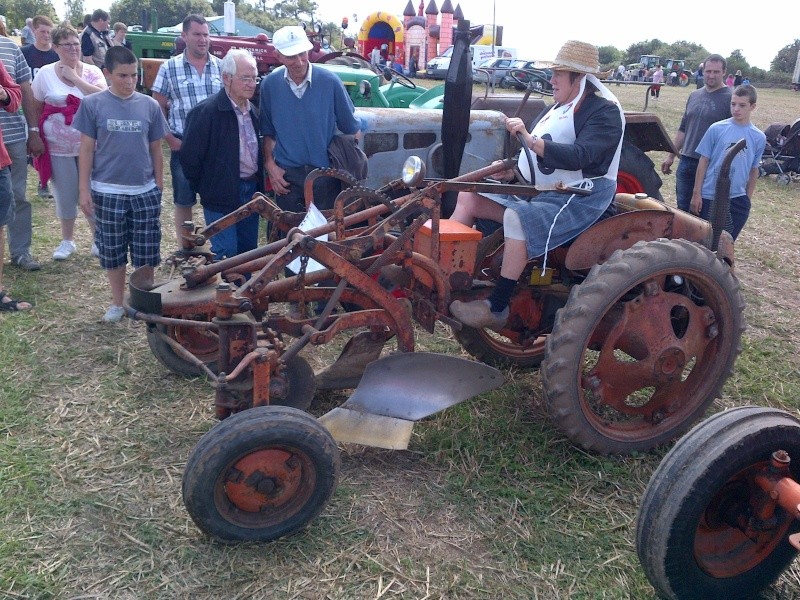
(184, 87)
(13, 124)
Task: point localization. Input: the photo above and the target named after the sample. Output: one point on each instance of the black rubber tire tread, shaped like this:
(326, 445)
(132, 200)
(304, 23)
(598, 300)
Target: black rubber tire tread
(167, 357)
(301, 385)
(587, 304)
(635, 162)
(474, 341)
(684, 484)
(256, 429)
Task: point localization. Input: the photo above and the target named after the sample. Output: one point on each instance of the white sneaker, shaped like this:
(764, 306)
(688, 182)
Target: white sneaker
(65, 249)
(114, 314)
(95, 250)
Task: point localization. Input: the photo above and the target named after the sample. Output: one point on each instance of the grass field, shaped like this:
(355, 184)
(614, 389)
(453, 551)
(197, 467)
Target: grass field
(489, 502)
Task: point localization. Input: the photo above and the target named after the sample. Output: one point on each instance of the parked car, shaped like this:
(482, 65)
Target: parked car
(531, 74)
(493, 71)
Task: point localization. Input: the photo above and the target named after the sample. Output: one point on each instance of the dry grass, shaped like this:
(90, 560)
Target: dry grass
(489, 502)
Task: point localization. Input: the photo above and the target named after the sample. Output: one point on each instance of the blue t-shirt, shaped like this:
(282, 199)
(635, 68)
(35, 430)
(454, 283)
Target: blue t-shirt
(716, 142)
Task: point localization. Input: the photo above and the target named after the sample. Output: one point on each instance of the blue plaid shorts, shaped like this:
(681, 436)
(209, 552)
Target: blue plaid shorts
(128, 222)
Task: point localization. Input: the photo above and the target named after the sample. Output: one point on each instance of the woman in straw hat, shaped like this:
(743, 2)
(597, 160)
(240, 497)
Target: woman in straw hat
(576, 142)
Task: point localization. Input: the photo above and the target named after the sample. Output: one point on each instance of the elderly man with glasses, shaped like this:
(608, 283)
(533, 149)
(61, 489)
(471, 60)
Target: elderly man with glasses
(220, 154)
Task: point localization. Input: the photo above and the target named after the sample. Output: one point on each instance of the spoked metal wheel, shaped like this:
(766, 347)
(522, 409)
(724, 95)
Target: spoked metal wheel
(261, 474)
(706, 528)
(643, 346)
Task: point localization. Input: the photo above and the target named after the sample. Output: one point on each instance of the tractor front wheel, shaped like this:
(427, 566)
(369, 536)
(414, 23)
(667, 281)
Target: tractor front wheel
(643, 346)
(261, 474)
(705, 528)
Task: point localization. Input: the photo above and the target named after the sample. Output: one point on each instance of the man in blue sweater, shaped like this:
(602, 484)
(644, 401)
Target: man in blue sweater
(301, 110)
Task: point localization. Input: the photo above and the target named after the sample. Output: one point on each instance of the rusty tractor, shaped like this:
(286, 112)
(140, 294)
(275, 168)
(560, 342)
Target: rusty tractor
(720, 516)
(635, 325)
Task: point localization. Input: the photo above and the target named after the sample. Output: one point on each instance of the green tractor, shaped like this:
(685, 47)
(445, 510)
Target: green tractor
(681, 76)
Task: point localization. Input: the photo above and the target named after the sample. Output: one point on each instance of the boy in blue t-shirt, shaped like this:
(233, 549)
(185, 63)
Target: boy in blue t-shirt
(744, 168)
(121, 172)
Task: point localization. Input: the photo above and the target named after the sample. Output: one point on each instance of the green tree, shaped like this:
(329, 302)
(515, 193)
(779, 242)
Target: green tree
(16, 11)
(170, 12)
(74, 11)
(609, 55)
(786, 58)
(737, 62)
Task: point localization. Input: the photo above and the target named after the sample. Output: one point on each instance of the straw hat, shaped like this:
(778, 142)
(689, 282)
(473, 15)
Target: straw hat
(578, 57)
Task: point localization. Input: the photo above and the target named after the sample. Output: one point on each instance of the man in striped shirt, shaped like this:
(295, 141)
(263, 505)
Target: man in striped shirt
(19, 142)
(182, 82)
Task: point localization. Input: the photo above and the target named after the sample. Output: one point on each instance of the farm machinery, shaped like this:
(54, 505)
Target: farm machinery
(720, 517)
(635, 325)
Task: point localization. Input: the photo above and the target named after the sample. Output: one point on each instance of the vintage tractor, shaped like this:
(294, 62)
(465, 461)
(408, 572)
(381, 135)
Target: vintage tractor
(720, 517)
(636, 326)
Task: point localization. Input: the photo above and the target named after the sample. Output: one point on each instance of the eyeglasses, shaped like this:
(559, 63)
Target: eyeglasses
(71, 46)
(245, 78)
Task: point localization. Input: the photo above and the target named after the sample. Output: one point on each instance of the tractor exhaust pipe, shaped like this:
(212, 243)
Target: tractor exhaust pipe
(722, 195)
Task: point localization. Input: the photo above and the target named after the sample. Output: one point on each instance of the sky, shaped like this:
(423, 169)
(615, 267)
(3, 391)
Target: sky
(537, 29)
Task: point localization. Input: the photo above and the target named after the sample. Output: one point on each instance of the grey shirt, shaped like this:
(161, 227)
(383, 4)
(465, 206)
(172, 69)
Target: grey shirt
(124, 129)
(13, 124)
(703, 108)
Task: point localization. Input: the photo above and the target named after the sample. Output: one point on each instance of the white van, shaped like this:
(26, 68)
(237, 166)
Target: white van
(437, 67)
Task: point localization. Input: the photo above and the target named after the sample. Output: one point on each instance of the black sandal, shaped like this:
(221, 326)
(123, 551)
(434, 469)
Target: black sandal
(8, 304)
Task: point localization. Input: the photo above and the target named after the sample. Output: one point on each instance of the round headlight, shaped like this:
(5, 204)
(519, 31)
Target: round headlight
(364, 88)
(413, 171)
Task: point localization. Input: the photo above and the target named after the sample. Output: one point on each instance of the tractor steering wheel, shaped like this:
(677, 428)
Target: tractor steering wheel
(394, 76)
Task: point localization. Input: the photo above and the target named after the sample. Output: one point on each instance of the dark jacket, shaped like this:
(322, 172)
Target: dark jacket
(209, 153)
(598, 127)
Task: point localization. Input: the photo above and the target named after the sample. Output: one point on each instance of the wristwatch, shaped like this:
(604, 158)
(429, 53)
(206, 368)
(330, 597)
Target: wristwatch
(36, 129)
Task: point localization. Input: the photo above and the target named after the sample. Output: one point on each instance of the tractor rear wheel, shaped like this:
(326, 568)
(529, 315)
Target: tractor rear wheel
(643, 346)
(637, 173)
(705, 528)
(497, 350)
(261, 474)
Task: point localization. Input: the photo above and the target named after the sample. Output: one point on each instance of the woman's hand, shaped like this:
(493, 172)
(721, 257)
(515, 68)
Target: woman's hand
(515, 126)
(68, 74)
(504, 176)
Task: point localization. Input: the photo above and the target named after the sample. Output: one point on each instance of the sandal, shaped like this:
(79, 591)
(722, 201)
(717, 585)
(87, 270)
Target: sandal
(8, 304)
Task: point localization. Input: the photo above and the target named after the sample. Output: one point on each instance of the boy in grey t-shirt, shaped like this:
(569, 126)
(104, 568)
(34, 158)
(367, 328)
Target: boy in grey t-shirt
(121, 172)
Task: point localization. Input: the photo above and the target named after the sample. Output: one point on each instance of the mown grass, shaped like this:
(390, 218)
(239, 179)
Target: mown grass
(490, 501)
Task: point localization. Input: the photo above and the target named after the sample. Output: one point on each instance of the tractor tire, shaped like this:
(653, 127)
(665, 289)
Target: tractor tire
(643, 346)
(637, 173)
(204, 347)
(698, 530)
(496, 350)
(261, 474)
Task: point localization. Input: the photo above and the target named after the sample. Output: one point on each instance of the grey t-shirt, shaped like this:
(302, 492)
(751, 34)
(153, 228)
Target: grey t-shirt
(702, 109)
(124, 129)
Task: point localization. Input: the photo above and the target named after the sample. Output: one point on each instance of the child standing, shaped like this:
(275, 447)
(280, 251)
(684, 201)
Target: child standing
(744, 168)
(121, 172)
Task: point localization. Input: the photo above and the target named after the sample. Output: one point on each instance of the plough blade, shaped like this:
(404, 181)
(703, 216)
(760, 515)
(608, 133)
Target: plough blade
(360, 350)
(402, 388)
(358, 427)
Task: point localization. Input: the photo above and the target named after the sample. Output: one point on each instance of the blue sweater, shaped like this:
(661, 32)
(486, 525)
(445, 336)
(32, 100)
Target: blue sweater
(304, 127)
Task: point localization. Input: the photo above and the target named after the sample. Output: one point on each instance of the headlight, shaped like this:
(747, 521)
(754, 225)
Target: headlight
(413, 171)
(364, 88)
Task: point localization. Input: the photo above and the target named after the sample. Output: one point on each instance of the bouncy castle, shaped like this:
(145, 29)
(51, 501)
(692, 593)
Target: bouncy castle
(421, 36)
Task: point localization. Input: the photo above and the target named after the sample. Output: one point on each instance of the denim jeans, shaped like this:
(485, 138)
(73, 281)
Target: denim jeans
(684, 181)
(241, 237)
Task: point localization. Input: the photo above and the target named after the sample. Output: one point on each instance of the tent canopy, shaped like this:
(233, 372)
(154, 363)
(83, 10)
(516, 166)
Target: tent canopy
(216, 26)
